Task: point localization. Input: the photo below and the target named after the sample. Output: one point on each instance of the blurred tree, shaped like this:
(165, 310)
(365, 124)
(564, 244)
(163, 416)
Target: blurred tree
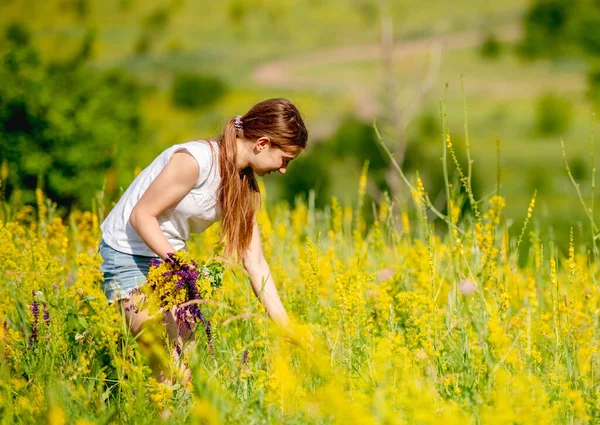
(553, 114)
(82, 7)
(237, 12)
(594, 84)
(538, 178)
(63, 121)
(398, 113)
(157, 20)
(192, 91)
(310, 171)
(367, 10)
(357, 138)
(16, 34)
(579, 168)
(352, 144)
(428, 125)
(554, 28)
(546, 26)
(154, 26)
(491, 48)
(143, 44)
(125, 5)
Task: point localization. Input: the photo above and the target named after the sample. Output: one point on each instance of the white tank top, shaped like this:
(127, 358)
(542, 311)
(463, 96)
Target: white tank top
(194, 213)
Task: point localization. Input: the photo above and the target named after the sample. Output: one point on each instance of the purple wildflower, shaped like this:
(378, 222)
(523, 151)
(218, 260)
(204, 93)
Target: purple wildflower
(186, 317)
(35, 310)
(209, 337)
(155, 262)
(182, 321)
(46, 315)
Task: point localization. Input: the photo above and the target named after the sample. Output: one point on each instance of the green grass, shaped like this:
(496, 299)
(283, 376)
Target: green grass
(501, 93)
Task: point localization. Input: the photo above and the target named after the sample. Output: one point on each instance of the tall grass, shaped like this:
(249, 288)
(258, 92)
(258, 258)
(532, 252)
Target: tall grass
(394, 323)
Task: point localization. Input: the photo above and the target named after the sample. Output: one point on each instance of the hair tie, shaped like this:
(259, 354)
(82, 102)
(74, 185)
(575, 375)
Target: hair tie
(238, 123)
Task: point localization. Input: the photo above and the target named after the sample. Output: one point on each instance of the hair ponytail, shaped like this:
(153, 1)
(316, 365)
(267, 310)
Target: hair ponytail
(239, 195)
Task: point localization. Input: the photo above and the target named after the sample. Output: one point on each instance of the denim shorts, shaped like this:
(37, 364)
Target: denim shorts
(123, 273)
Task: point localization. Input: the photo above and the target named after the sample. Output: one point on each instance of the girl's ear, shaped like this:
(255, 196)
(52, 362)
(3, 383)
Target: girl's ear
(262, 143)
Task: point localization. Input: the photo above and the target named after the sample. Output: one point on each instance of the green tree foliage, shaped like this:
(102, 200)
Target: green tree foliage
(354, 142)
(562, 27)
(594, 85)
(192, 91)
(553, 114)
(63, 122)
(154, 26)
(558, 28)
(547, 28)
(491, 48)
(356, 139)
(311, 170)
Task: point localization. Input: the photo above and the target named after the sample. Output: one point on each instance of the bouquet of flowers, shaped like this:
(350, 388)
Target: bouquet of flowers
(181, 283)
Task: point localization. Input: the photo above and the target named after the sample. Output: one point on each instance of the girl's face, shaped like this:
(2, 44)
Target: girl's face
(269, 158)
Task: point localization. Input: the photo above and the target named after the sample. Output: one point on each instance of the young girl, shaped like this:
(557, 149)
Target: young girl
(192, 185)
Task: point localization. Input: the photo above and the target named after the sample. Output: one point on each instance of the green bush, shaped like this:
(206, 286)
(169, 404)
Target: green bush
(429, 126)
(191, 91)
(491, 48)
(546, 28)
(64, 123)
(553, 114)
(593, 78)
(311, 170)
(588, 29)
(355, 138)
(17, 34)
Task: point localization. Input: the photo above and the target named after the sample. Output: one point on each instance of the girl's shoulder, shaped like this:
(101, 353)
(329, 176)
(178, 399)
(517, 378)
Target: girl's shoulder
(205, 152)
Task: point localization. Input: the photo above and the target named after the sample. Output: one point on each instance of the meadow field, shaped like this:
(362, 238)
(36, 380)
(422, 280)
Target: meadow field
(471, 298)
(393, 323)
(334, 71)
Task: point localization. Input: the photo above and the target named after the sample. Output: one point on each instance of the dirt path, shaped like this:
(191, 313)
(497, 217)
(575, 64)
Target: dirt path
(288, 72)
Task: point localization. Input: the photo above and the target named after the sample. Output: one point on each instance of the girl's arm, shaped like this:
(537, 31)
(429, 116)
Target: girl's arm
(261, 280)
(175, 180)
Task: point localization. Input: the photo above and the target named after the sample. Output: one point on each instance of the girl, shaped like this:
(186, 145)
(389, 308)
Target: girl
(190, 186)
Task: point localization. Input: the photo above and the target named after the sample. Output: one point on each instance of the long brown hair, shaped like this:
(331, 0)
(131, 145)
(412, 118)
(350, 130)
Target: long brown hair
(239, 195)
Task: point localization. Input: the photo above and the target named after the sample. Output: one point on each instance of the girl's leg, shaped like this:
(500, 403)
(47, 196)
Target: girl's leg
(122, 273)
(136, 316)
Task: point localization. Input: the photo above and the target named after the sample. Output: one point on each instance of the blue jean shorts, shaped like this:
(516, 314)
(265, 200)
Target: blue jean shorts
(123, 273)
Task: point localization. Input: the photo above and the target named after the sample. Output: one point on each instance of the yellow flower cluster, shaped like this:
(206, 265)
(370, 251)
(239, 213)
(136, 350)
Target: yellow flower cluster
(415, 316)
(162, 291)
(310, 270)
(427, 329)
(160, 393)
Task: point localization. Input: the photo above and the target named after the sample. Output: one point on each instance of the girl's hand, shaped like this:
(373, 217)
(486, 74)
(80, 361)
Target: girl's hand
(262, 281)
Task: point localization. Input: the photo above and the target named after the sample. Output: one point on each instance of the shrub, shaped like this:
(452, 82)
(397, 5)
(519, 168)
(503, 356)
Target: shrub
(553, 114)
(311, 170)
(17, 34)
(429, 126)
(545, 27)
(593, 78)
(588, 29)
(355, 138)
(63, 122)
(491, 48)
(191, 91)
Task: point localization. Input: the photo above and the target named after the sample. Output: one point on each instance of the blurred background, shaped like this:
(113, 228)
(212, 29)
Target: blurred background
(91, 91)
